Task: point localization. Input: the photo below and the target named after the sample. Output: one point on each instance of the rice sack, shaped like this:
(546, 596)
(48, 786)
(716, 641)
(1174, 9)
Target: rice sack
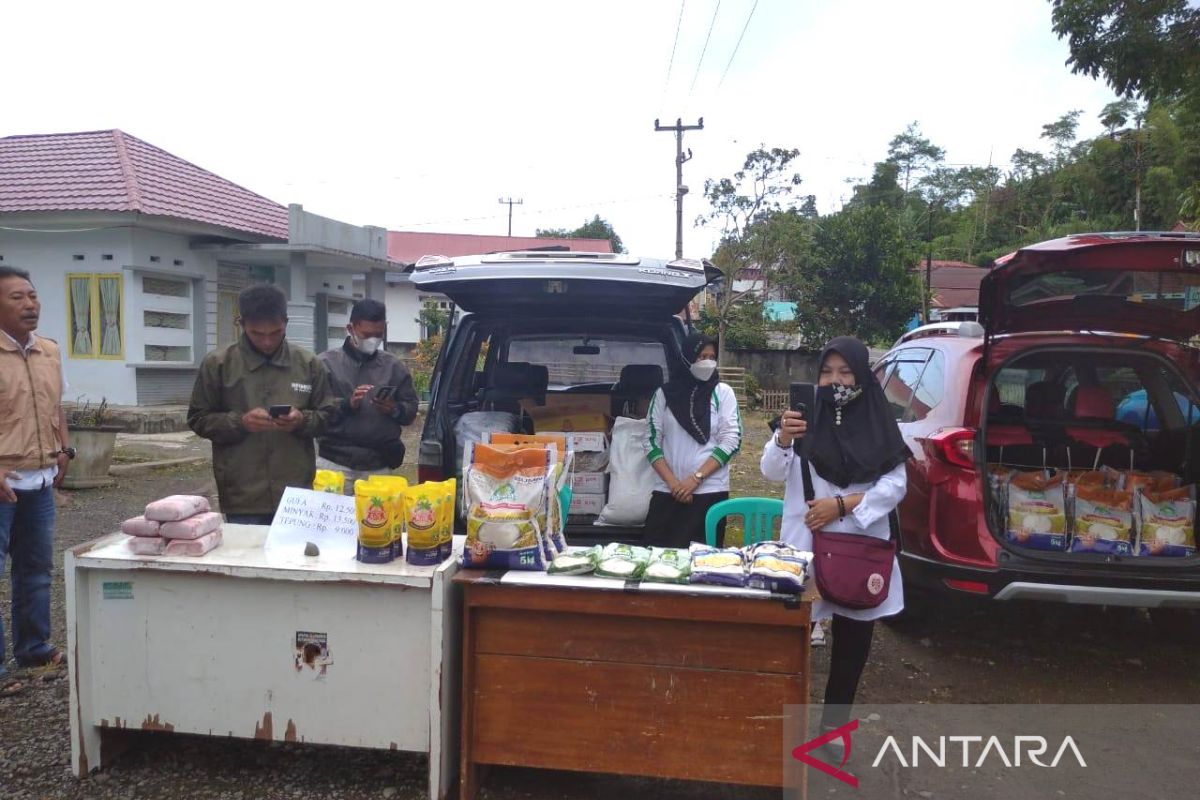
(1149, 481)
(329, 480)
(1037, 515)
(1167, 523)
(777, 568)
(1103, 521)
(622, 561)
(576, 562)
(373, 510)
(506, 498)
(718, 566)
(423, 511)
(668, 565)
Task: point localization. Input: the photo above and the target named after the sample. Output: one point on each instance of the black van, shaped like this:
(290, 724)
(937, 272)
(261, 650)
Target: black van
(541, 325)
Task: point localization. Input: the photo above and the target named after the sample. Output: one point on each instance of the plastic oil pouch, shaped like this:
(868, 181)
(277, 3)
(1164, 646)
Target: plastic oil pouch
(423, 511)
(777, 568)
(506, 498)
(395, 486)
(580, 561)
(1037, 516)
(668, 565)
(719, 566)
(623, 561)
(1167, 523)
(329, 480)
(1103, 521)
(446, 531)
(373, 510)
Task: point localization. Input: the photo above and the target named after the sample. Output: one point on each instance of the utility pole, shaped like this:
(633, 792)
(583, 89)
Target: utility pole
(510, 202)
(680, 160)
(928, 261)
(1137, 175)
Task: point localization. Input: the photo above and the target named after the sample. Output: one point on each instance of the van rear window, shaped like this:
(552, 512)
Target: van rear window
(577, 360)
(1175, 290)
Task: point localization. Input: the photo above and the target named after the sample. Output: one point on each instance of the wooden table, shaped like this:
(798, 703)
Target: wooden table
(594, 675)
(209, 646)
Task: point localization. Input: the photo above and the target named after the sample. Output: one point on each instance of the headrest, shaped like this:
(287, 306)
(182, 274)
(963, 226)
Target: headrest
(641, 378)
(1093, 402)
(518, 379)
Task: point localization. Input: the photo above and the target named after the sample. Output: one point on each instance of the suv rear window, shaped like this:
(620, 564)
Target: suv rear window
(577, 360)
(1174, 290)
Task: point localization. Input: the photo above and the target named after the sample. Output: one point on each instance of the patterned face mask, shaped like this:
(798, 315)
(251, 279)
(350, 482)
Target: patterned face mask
(842, 396)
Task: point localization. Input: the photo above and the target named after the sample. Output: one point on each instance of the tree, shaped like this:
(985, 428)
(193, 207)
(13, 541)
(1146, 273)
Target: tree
(1061, 135)
(912, 152)
(596, 228)
(743, 205)
(1146, 48)
(1117, 113)
(856, 278)
(433, 320)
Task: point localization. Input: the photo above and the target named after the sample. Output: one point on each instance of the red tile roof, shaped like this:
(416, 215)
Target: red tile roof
(406, 247)
(113, 171)
(954, 283)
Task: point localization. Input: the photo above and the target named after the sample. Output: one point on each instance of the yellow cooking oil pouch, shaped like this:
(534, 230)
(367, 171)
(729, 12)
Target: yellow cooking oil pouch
(395, 486)
(329, 480)
(373, 510)
(422, 512)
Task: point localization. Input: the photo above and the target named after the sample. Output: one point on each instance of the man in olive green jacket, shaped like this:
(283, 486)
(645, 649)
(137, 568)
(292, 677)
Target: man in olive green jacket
(261, 401)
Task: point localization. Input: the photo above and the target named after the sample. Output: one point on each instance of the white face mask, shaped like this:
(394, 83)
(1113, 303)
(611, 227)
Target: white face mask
(366, 346)
(703, 370)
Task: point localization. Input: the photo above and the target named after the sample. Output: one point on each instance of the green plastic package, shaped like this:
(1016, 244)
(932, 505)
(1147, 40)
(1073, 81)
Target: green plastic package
(623, 561)
(581, 561)
(668, 565)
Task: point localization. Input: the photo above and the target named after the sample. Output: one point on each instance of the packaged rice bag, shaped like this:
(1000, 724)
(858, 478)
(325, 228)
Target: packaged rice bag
(720, 566)
(329, 480)
(622, 561)
(505, 494)
(373, 509)
(581, 561)
(777, 568)
(423, 511)
(1149, 481)
(1167, 523)
(1037, 516)
(668, 565)
(1103, 521)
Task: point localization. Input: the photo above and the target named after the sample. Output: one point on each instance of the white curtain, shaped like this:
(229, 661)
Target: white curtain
(81, 311)
(110, 316)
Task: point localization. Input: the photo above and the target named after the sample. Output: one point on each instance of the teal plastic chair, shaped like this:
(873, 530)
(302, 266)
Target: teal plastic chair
(759, 514)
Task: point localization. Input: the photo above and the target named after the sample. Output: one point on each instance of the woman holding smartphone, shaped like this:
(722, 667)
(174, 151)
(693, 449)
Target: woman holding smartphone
(856, 463)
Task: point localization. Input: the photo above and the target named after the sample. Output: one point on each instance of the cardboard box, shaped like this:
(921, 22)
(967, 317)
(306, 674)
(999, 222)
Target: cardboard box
(588, 482)
(589, 504)
(583, 441)
(570, 412)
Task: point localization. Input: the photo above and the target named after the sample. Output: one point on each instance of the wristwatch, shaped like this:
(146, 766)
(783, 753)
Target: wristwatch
(698, 475)
(69, 452)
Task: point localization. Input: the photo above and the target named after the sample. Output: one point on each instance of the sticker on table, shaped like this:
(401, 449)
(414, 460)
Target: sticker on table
(312, 653)
(117, 590)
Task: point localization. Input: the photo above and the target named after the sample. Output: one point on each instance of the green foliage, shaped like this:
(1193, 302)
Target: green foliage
(753, 391)
(595, 228)
(433, 320)
(745, 327)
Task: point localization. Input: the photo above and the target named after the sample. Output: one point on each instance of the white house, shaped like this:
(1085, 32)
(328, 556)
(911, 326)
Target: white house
(138, 257)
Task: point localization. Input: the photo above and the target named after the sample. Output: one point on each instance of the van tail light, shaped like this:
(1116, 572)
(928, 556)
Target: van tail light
(430, 465)
(974, 587)
(954, 446)
(426, 474)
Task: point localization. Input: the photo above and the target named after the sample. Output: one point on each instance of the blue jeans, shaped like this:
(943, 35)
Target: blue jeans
(27, 537)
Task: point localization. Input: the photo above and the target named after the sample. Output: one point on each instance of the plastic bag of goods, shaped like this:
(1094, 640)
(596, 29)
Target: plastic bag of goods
(1149, 481)
(176, 507)
(1167, 523)
(474, 426)
(668, 565)
(506, 499)
(147, 545)
(192, 527)
(720, 566)
(373, 510)
(624, 561)
(631, 478)
(423, 510)
(394, 486)
(194, 547)
(1103, 521)
(329, 480)
(140, 526)
(1037, 516)
(579, 561)
(777, 568)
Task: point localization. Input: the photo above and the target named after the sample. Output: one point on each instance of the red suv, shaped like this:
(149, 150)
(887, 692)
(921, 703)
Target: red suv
(1084, 358)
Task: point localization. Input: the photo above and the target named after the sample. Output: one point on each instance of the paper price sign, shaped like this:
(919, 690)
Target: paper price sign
(327, 520)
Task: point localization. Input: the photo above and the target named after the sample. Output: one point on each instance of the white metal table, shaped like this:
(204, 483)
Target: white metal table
(245, 643)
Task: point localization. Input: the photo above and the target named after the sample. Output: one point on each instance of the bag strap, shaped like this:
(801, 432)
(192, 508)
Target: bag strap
(810, 494)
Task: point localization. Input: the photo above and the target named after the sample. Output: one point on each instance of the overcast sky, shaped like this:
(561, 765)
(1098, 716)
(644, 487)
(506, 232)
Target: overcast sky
(419, 116)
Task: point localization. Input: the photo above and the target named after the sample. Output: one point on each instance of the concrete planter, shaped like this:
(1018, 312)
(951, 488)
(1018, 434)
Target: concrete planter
(93, 456)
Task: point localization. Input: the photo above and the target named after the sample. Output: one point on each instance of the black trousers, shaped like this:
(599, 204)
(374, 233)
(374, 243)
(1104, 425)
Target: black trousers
(670, 523)
(851, 646)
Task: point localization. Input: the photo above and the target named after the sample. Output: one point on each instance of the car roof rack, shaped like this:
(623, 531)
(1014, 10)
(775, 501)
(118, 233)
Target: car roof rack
(968, 330)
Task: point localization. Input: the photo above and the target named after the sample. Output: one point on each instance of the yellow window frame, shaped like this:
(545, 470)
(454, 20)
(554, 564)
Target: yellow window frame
(95, 329)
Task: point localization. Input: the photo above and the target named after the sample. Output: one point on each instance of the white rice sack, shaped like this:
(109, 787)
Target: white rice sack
(777, 568)
(622, 561)
(631, 478)
(720, 566)
(668, 565)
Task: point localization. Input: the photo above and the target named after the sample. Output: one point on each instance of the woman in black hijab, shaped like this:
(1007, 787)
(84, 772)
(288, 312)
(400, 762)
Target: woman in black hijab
(856, 461)
(695, 429)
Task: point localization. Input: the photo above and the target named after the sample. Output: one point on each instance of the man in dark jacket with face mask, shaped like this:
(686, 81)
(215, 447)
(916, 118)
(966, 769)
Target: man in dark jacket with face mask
(376, 399)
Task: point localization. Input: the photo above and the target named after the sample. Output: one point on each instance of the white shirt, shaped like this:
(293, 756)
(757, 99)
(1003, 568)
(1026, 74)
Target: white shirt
(870, 518)
(29, 480)
(684, 455)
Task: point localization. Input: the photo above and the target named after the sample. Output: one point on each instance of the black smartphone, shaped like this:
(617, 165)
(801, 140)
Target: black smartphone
(802, 397)
(279, 411)
(385, 392)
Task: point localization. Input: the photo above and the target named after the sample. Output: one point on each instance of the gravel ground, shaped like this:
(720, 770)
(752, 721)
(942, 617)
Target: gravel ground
(959, 653)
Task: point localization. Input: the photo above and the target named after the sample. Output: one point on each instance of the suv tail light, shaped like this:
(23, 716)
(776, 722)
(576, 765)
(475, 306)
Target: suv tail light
(954, 446)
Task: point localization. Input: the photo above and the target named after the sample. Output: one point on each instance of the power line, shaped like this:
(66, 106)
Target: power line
(749, 17)
(671, 63)
(535, 211)
(704, 49)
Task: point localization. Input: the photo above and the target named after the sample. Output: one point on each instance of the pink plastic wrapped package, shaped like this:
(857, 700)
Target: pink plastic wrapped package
(194, 547)
(176, 507)
(147, 545)
(192, 527)
(140, 526)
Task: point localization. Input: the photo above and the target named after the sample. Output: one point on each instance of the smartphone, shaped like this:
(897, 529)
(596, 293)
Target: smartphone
(802, 397)
(279, 411)
(385, 392)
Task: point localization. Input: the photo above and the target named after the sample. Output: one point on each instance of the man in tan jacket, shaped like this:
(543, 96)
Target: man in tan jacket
(34, 453)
